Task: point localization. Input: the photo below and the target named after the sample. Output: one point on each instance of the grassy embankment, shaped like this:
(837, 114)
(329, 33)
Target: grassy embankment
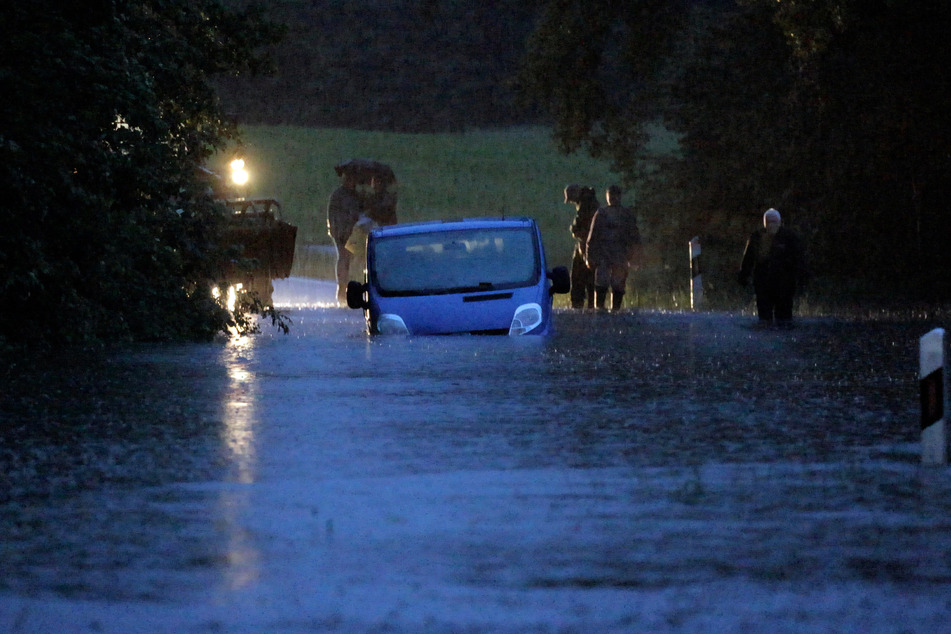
(514, 171)
(441, 176)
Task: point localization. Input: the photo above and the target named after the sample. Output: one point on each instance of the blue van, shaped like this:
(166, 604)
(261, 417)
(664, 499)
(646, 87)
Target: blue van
(475, 276)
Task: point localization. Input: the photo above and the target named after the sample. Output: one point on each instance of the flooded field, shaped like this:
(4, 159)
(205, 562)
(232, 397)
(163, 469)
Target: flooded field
(636, 472)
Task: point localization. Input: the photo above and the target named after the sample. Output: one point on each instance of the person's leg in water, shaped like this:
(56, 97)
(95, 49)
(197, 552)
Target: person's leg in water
(783, 308)
(618, 286)
(602, 283)
(765, 305)
(579, 272)
(343, 269)
(617, 299)
(587, 283)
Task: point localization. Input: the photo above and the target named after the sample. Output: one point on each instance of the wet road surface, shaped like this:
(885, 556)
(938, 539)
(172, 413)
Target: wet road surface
(636, 472)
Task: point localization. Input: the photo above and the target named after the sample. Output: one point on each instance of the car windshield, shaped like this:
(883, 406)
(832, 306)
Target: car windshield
(455, 261)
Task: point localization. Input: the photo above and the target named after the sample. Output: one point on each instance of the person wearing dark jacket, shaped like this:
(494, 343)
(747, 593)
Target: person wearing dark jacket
(582, 277)
(774, 259)
(381, 207)
(614, 242)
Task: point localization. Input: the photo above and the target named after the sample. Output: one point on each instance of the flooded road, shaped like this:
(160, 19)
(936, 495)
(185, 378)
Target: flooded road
(636, 472)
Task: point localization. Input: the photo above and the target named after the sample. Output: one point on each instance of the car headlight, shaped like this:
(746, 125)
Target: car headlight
(388, 324)
(527, 318)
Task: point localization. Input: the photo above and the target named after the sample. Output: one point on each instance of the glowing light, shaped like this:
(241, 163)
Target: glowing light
(233, 295)
(230, 297)
(239, 175)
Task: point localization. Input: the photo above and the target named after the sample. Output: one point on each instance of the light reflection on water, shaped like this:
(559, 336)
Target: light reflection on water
(242, 558)
(240, 408)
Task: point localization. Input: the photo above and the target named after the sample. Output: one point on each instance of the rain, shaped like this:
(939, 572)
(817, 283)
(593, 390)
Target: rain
(642, 471)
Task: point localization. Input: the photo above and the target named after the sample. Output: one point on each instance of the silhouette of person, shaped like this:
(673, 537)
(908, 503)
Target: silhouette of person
(613, 242)
(774, 259)
(343, 211)
(582, 277)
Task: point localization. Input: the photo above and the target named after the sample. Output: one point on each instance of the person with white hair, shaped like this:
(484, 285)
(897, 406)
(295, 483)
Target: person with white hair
(774, 259)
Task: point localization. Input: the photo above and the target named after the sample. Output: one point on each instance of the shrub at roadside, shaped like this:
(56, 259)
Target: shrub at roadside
(107, 230)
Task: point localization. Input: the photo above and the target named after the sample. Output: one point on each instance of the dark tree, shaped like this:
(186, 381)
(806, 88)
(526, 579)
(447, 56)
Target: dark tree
(107, 229)
(403, 65)
(877, 75)
(833, 111)
(594, 65)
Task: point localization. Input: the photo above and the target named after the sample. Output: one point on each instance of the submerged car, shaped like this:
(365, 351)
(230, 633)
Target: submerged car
(475, 276)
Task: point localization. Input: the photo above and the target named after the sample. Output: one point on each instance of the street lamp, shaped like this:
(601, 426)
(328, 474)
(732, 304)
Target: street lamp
(239, 175)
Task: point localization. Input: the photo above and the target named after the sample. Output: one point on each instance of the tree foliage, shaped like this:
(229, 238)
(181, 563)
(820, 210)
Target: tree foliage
(398, 65)
(108, 230)
(592, 65)
(876, 77)
(833, 111)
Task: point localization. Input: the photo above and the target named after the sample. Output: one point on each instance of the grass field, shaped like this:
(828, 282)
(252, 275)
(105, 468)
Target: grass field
(515, 171)
(512, 171)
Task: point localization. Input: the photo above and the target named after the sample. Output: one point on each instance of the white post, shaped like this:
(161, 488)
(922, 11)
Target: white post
(934, 444)
(696, 282)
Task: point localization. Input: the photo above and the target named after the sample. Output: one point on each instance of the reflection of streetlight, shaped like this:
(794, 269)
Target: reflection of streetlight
(239, 175)
(240, 417)
(240, 412)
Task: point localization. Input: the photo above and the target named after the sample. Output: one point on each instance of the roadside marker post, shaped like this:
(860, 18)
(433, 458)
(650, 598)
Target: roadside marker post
(696, 281)
(934, 442)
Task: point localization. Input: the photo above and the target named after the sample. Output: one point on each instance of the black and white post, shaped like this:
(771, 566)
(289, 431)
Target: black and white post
(696, 281)
(934, 443)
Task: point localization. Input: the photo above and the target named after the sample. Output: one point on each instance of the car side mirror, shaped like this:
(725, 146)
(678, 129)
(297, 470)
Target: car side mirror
(355, 291)
(560, 280)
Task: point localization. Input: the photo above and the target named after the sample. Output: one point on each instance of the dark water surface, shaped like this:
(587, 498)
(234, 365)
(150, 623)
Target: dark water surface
(662, 472)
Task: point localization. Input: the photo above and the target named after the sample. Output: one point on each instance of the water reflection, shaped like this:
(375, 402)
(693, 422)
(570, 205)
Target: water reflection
(170, 471)
(239, 410)
(242, 558)
(240, 420)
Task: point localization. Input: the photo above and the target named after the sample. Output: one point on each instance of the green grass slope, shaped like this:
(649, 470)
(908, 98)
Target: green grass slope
(513, 171)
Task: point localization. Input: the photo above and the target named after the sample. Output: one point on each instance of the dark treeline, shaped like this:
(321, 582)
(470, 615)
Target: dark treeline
(833, 111)
(399, 65)
(108, 229)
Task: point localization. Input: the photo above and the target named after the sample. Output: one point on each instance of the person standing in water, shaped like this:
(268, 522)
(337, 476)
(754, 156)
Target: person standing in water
(774, 260)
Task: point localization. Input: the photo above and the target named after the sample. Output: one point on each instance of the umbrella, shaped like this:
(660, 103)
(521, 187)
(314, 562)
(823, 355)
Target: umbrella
(364, 169)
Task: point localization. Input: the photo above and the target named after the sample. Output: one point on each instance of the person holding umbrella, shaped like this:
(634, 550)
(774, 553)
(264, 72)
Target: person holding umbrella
(343, 212)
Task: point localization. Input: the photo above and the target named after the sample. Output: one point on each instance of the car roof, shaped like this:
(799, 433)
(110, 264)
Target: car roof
(439, 226)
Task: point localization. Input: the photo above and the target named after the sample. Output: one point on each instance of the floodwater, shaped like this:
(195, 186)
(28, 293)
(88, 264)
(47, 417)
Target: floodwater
(643, 472)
